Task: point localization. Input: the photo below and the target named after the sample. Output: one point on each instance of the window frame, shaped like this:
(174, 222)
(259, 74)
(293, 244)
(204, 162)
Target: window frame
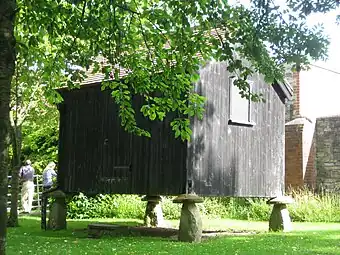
(235, 121)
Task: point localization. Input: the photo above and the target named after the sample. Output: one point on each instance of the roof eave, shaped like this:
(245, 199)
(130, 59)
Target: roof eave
(285, 88)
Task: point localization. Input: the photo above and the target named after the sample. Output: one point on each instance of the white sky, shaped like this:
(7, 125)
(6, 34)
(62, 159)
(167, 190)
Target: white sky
(320, 89)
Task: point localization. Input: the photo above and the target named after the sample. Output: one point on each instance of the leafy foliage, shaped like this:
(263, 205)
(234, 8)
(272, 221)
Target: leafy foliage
(40, 143)
(171, 39)
(33, 117)
(307, 7)
(308, 207)
(105, 206)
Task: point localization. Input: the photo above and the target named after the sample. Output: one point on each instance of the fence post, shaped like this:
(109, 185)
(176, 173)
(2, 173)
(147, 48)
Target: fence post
(38, 191)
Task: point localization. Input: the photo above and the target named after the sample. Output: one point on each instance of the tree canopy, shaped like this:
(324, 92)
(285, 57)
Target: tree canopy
(33, 115)
(168, 38)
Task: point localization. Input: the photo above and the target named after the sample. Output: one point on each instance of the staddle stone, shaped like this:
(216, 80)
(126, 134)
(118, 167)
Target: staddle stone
(152, 198)
(281, 200)
(279, 218)
(193, 198)
(57, 194)
(58, 212)
(153, 213)
(190, 227)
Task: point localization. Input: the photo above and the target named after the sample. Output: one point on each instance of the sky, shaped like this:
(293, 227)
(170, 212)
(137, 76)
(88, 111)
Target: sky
(320, 89)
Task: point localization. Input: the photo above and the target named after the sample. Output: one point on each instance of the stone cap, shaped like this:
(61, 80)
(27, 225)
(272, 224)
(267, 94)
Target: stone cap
(299, 120)
(193, 198)
(149, 198)
(57, 194)
(281, 200)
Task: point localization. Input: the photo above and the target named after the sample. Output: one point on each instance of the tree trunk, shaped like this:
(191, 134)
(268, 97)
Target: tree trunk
(16, 142)
(7, 64)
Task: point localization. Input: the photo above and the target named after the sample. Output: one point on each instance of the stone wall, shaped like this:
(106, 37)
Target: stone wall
(328, 153)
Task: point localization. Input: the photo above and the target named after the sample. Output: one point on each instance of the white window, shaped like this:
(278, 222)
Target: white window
(240, 107)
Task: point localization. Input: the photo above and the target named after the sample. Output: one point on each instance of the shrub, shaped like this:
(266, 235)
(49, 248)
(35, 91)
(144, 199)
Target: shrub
(80, 207)
(323, 207)
(307, 207)
(171, 211)
(105, 206)
(214, 208)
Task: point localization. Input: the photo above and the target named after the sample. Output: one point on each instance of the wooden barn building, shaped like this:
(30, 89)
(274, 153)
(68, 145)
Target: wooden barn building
(236, 150)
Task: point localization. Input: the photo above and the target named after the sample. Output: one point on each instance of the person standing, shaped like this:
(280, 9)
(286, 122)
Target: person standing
(48, 175)
(27, 191)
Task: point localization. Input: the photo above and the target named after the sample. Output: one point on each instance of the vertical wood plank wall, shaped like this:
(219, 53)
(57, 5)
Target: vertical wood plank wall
(233, 160)
(96, 155)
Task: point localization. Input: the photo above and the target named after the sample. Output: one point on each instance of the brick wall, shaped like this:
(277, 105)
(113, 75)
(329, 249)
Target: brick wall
(299, 154)
(296, 100)
(299, 142)
(328, 153)
(293, 156)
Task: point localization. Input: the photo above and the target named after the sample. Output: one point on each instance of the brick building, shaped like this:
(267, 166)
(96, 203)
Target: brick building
(300, 169)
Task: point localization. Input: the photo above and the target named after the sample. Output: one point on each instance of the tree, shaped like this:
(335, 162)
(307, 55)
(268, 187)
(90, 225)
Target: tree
(307, 7)
(7, 58)
(168, 38)
(40, 137)
(27, 102)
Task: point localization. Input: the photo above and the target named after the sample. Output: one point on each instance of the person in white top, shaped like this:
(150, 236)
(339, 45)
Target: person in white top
(48, 175)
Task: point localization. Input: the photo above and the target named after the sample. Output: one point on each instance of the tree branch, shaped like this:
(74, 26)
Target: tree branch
(74, 39)
(25, 111)
(127, 9)
(80, 26)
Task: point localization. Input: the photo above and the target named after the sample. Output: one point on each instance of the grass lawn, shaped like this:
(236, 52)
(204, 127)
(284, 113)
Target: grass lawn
(307, 238)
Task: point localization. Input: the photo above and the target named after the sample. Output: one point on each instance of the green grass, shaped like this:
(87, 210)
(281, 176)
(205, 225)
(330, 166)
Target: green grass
(307, 238)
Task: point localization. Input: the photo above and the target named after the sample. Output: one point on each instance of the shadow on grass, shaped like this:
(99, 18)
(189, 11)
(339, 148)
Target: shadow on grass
(75, 237)
(75, 228)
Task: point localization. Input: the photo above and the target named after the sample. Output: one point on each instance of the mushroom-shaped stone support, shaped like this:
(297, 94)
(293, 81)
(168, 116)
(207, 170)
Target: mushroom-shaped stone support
(279, 218)
(57, 216)
(190, 227)
(153, 213)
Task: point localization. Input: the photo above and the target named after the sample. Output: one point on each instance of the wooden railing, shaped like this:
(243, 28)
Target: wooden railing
(37, 193)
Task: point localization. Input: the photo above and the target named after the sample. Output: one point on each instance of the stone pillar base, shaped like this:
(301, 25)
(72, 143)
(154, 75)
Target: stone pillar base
(153, 213)
(190, 227)
(279, 218)
(58, 211)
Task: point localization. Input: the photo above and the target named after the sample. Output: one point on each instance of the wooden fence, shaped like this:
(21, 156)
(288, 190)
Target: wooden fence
(37, 193)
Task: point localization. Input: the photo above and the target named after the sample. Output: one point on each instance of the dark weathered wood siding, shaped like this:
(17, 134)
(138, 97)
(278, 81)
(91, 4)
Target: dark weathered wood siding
(97, 156)
(231, 160)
